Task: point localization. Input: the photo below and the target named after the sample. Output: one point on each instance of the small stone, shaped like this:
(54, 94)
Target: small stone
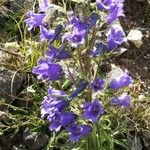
(141, 97)
(135, 36)
(35, 140)
(10, 83)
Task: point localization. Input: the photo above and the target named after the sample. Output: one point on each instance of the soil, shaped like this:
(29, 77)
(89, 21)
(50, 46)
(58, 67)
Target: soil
(137, 61)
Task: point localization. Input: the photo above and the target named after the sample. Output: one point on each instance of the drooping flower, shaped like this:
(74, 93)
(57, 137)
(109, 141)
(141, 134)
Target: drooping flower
(78, 131)
(48, 71)
(62, 119)
(98, 49)
(80, 87)
(121, 81)
(34, 19)
(58, 53)
(115, 38)
(43, 5)
(104, 4)
(93, 110)
(123, 100)
(97, 85)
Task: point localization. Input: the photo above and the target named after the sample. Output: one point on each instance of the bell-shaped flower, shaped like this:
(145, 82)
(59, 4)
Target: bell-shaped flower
(121, 81)
(48, 71)
(34, 19)
(123, 100)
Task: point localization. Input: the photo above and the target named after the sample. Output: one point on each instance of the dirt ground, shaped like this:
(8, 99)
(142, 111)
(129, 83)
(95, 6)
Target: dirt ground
(137, 61)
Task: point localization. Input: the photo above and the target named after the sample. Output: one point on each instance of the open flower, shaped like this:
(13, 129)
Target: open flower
(121, 81)
(77, 132)
(93, 111)
(123, 100)
(48, 70)
(115, 38)
(34, 19)
(97, 85)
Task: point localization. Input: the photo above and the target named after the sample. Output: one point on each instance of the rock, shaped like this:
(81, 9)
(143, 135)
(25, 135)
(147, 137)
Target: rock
(135, 36)
(7, 141)
(3, 56)
(35, 140)
(19, 148)
(10, 82)
(16, 5)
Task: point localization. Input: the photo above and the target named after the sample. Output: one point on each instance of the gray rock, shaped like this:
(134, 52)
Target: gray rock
(17, 5)
(35, 140)
(10, 82)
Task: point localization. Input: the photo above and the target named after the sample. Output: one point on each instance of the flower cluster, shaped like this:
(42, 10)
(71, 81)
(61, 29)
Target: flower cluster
(73, 40)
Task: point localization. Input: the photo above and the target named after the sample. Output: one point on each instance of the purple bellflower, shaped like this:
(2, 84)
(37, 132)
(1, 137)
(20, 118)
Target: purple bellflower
(114, 14)
(80, 87)
(121, 81)
(123, 100)
(94, 17)
(98, 50)
(58, 53)
(116, 10)
(104, 4)
(78, 34)
(34, 19)
(56, 93)
(52, 105)
(115, 38)
(97, 85)
(77, 132)
(48, 71)
(46, 34)
(62, 119)
(50, 35)
(93, 111)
